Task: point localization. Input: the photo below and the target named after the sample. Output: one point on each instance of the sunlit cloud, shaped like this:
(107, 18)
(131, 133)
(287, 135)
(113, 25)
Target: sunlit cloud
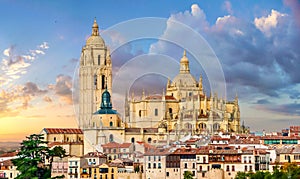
(266, 24)
(63, 88)
(14, 65)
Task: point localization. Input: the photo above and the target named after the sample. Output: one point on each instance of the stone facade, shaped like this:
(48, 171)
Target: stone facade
(183, 109)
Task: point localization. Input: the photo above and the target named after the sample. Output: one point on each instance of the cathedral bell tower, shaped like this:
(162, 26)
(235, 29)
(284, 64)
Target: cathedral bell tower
(95, 76)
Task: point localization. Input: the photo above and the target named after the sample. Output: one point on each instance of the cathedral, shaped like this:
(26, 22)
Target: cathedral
(182, 109)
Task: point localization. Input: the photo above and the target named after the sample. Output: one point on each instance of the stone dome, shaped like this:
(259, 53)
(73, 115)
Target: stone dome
(95, 38)
(184, 79)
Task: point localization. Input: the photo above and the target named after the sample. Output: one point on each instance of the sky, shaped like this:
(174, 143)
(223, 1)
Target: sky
(255, 45)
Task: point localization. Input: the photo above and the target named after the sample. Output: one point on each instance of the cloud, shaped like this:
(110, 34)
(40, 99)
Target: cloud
(6, 52)
(63, 88)
(295, 6)
(44, 45)
(259, 57)
(289, 109)
(14, 65)
(18, 98)
(227, 6)
(263, 101)
(47, 99)
(266, 24)
(32, 89)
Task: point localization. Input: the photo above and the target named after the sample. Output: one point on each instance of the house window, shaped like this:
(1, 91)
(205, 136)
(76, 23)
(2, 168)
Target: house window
(233, 168)
(200, 168)
(54, 139)
(132, 140)
(167, 174)
(159, 158)
(140, 113)
(149, 158)
(250, 168)
(159, 165)
(149, 165)
(204, 159)
(227, 168)
(154, 165)
(111, 138)
(207, 168)
(98, 59)
(156, 112)
(194, 165)
(185, 165)
(112, 170)
(111, 123)
(246, 168)
(149, 140)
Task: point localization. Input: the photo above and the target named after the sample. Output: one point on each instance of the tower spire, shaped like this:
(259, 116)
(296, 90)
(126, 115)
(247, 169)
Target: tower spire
(184, 63)
(95, 28)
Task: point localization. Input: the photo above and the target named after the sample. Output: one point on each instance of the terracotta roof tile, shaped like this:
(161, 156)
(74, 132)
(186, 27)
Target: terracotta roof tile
(116, 145)
(63, 131)
(9, 154)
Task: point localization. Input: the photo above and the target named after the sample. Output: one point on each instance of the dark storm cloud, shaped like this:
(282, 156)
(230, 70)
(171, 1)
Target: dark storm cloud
(286, 109)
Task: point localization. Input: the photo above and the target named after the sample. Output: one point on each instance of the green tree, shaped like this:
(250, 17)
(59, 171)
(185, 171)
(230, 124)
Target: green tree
(32, 158)
(188, 175)
(241, 175)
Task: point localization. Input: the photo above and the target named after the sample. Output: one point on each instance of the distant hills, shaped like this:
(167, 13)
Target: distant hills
(8, 146)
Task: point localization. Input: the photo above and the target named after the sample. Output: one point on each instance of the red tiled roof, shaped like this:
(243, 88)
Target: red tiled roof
(116, 145)
(219, 138)
(9, 154)
(184, 151)
(95, 154)
(170, 97)
(280, 137)
(63, 131)
(6, 163)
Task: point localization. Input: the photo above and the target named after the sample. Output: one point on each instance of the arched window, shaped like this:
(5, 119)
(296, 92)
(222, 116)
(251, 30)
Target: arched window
(112, 170)
(156, 112)
(149, 140)
(103, 81)
(99, 59)
(54, 139)
(216, 126)
(111, 123)
(111, 138)
(132, 140)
